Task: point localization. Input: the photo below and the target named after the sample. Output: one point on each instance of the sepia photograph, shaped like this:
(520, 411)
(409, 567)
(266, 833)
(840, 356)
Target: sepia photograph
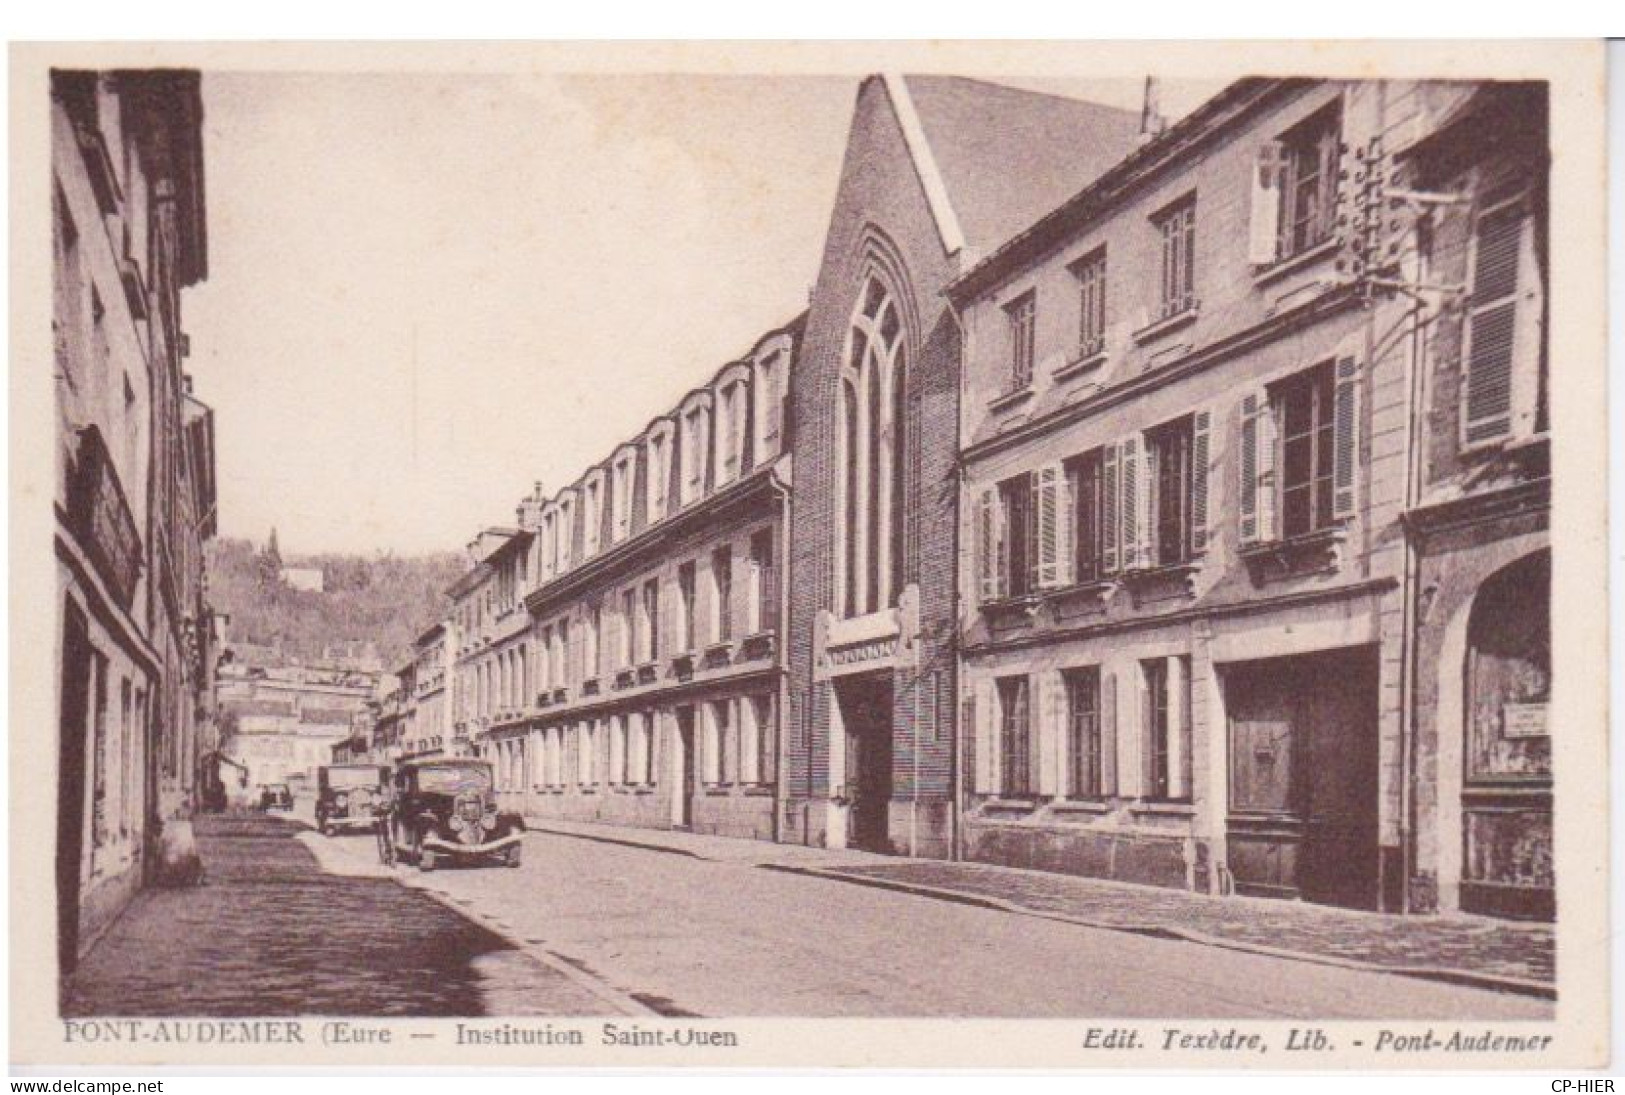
(598, 560)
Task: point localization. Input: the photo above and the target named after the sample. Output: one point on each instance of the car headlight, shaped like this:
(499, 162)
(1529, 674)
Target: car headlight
(456, 824)
(488, 822)
(341, 800)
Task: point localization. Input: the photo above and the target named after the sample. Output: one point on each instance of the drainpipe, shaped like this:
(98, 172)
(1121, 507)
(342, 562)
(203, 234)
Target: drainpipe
(781, 673)
(956, 753)
(1409, 667)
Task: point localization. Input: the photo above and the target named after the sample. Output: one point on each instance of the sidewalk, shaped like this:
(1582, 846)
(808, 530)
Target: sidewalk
(269, 933)
(1502, 955)
(720, 849)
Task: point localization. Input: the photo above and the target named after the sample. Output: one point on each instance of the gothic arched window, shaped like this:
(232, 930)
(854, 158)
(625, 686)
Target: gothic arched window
(872, 413)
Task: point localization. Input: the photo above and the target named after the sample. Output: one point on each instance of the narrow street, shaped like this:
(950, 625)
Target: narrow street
(587, 927)
(729, 939)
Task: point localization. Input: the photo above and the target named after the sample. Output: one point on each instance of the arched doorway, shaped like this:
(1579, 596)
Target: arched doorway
(1506, 753)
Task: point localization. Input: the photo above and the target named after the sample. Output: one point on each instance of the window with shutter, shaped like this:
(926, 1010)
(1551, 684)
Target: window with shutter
(1346, 439)
(1129, 503)
(1110, 509)
(989, 545)
(1264, 224)
(1018, 537)
(1051, 549)
(1492, 323)
(1201, 428)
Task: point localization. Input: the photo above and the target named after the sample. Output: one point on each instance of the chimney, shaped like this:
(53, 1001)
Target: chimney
(1152, 123)
(530, 509)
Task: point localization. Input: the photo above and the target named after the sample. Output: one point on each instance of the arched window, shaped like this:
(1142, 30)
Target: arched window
(873, 413)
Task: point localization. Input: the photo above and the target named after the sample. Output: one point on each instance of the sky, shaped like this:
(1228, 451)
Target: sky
(428, 291)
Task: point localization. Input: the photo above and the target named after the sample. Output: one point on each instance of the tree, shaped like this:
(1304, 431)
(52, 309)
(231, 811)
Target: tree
(269, 563)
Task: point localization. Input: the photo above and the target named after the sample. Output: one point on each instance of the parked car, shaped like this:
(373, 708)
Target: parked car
(350, 796)
(444, 808)
(276, 796)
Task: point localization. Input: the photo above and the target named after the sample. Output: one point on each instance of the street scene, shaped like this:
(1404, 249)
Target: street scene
(293, 923)
(899, 545)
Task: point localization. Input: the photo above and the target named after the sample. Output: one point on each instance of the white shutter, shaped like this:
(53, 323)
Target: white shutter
(1045, 732)
(1049, 484)
(1264, 225)
(1247, 488)
(1201, 429)
(990, 566)
(1110, 510)
(987, 738)
(1264, 456)
(1108, 734)
(1492, 324)
(1066, 529)
(1129, 502)
(1346, 439)
(1144, 518)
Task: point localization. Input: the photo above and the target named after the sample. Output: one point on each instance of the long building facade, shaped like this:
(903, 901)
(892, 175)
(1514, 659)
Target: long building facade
(135, 489)
(1206, 416)
(1172, 510)
(621, 650)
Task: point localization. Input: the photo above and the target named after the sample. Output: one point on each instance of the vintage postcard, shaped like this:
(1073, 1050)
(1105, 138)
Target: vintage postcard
(961, 555)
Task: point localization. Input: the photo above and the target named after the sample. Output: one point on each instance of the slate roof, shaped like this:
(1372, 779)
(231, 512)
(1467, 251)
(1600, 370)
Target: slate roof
(1009, 156)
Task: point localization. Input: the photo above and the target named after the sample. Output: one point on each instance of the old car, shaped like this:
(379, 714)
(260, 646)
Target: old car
(349, 796)
(276, 796)
(444, 809)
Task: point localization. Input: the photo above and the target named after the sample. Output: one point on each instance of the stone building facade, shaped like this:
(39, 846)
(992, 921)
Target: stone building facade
(286, 721)
(134, 490)
(925, 189)
(1192, 437)
(637, 675)
(1171, 510)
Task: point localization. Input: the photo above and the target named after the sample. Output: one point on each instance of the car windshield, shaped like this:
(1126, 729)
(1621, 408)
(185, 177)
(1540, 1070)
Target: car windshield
(352, 777)
(452, 780)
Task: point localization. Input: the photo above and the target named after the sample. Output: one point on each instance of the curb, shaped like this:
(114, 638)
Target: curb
(1493, 982)
(623, 842)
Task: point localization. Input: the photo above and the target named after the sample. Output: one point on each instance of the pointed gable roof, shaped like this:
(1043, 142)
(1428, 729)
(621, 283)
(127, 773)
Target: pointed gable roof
(1004, 156)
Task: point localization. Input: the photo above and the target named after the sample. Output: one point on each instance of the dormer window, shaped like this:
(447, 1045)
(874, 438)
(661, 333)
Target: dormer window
(593, 514)
(730, 431)
(696, 447)
(657, 459)
(621, 497)
(769, 403)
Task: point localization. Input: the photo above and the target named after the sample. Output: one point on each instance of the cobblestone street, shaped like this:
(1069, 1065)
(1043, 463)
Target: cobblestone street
(270, 934)
(292, 923)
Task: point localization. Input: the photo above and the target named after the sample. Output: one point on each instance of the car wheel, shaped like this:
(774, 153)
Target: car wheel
(512, 858)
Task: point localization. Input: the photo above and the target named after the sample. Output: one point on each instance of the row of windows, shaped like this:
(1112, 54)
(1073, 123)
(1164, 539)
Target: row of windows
(1087, 722)
(629, 628)
(1294, 210)
(1295, 192)
(712, 442)
(728, 741)
(1142, 502)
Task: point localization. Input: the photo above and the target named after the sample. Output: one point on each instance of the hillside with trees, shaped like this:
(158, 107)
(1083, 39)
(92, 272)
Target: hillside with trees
(369, 605)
